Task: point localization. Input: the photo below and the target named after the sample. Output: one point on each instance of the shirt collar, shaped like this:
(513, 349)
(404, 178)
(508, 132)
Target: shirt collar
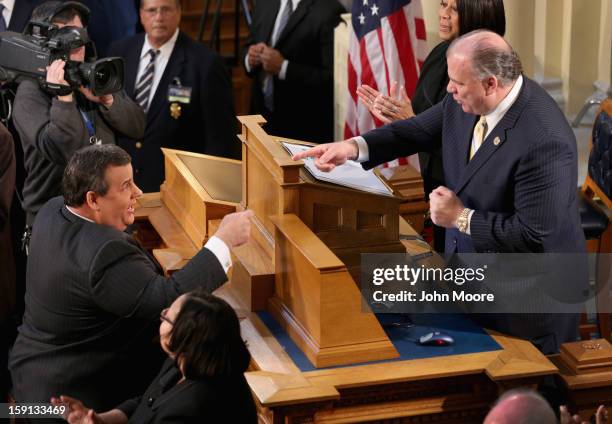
(77, 215)
(8, 5)
(498, 113)
(165, 49)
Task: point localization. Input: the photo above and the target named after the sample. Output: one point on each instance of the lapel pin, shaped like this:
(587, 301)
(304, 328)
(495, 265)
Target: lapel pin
(175, 110)
(496, 141)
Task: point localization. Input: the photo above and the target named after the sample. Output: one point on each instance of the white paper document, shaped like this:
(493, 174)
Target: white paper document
(351, 174)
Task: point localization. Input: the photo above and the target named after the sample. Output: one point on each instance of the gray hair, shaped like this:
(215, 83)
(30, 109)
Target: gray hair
(489, 58)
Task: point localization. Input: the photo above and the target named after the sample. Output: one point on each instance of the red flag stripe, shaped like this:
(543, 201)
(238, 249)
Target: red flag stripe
(392, 55)
(385, 63)
(398, 24)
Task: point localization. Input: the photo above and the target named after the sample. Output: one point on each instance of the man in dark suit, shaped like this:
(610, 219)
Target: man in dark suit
(111, 20)
(510, 163)
(19, 12)
(290, 58)
(93, 295)
(185, 90)
(7, 275)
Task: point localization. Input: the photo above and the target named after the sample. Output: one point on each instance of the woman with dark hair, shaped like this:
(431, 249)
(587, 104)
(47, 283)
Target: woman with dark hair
(201, 381)
(455, 18)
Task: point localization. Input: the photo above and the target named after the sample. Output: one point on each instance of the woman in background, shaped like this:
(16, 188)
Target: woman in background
(455, 18)
(202, 381)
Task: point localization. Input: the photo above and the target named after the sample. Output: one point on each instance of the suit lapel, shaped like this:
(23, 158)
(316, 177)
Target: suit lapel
(132, 60)
(269, 19)
(461, 146)
(21, 15)
(297, 15)
(495, 139)
(173, 69)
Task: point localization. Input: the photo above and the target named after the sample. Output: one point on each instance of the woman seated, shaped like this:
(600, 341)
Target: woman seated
(201, 381)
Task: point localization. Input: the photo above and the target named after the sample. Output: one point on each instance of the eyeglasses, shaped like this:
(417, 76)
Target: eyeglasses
(164, 11)
(163, 317)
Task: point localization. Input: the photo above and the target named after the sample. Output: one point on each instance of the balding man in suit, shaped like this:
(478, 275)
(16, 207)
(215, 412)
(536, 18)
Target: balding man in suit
(510, 164)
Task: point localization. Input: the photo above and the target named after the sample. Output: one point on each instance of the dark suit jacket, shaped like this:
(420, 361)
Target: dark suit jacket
(207, 125)
(22, 14)
(212, 400)
(304, 101)
(430, 90)
(523, 190)
(92, 306)
(111, 20)
(7, 185)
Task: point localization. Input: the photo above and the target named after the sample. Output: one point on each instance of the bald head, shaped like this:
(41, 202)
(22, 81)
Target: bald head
(489, 55)
(478, 40)
(521, 407)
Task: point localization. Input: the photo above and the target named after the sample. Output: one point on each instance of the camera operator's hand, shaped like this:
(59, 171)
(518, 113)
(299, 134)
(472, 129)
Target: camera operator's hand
(55, 75)
(106, 100)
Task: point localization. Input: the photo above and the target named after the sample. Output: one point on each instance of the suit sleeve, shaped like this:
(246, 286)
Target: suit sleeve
(540, 201)
(7, 174)
(217, 109)
(317, 76)
(421, 133)
(55, 131)
(125, 116)
(252, 38)
(125, 282)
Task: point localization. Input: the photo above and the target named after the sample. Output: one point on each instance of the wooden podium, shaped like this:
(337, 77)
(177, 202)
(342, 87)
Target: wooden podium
(314, 234)
(301, 265)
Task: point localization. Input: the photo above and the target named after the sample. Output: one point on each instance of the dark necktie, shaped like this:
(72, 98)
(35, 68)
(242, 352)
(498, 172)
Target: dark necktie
(145, 83)
(268, 86)
(2, 21)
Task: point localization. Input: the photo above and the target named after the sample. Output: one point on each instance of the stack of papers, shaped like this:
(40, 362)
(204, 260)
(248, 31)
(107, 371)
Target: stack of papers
(351, 174)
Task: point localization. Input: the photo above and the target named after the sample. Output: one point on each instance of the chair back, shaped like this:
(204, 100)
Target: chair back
(599, 179)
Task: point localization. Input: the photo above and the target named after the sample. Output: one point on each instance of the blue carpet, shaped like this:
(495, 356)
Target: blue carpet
(469, 338)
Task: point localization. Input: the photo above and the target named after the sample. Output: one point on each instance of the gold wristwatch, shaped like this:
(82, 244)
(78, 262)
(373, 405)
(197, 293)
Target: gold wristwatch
(463, 221)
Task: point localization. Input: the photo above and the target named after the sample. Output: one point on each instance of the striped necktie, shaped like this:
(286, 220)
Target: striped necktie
(480, 132)
(2, 21)
(268, 85)
(142, 93)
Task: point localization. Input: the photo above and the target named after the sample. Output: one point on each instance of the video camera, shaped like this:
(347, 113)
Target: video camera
(27, 55)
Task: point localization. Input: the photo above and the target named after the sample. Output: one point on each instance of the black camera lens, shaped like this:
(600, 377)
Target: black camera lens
(102, 77)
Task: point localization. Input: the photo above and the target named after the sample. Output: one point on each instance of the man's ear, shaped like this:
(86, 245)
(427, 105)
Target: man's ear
(91, 198)
(491, 84)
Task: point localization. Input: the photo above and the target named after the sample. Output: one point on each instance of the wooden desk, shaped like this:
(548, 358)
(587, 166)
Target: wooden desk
(450, 389)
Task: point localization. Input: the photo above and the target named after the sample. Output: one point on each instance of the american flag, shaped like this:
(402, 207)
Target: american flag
(387, 43)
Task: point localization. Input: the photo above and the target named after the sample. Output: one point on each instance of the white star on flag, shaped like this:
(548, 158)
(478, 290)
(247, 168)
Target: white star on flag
(362, 18)
(374, 9)
(365, 2)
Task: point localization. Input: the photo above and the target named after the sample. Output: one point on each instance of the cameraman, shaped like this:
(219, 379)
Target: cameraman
(52, 127)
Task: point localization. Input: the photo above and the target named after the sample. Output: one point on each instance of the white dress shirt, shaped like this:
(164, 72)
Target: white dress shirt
(214, 244)
(161, 61)
(9, 6)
